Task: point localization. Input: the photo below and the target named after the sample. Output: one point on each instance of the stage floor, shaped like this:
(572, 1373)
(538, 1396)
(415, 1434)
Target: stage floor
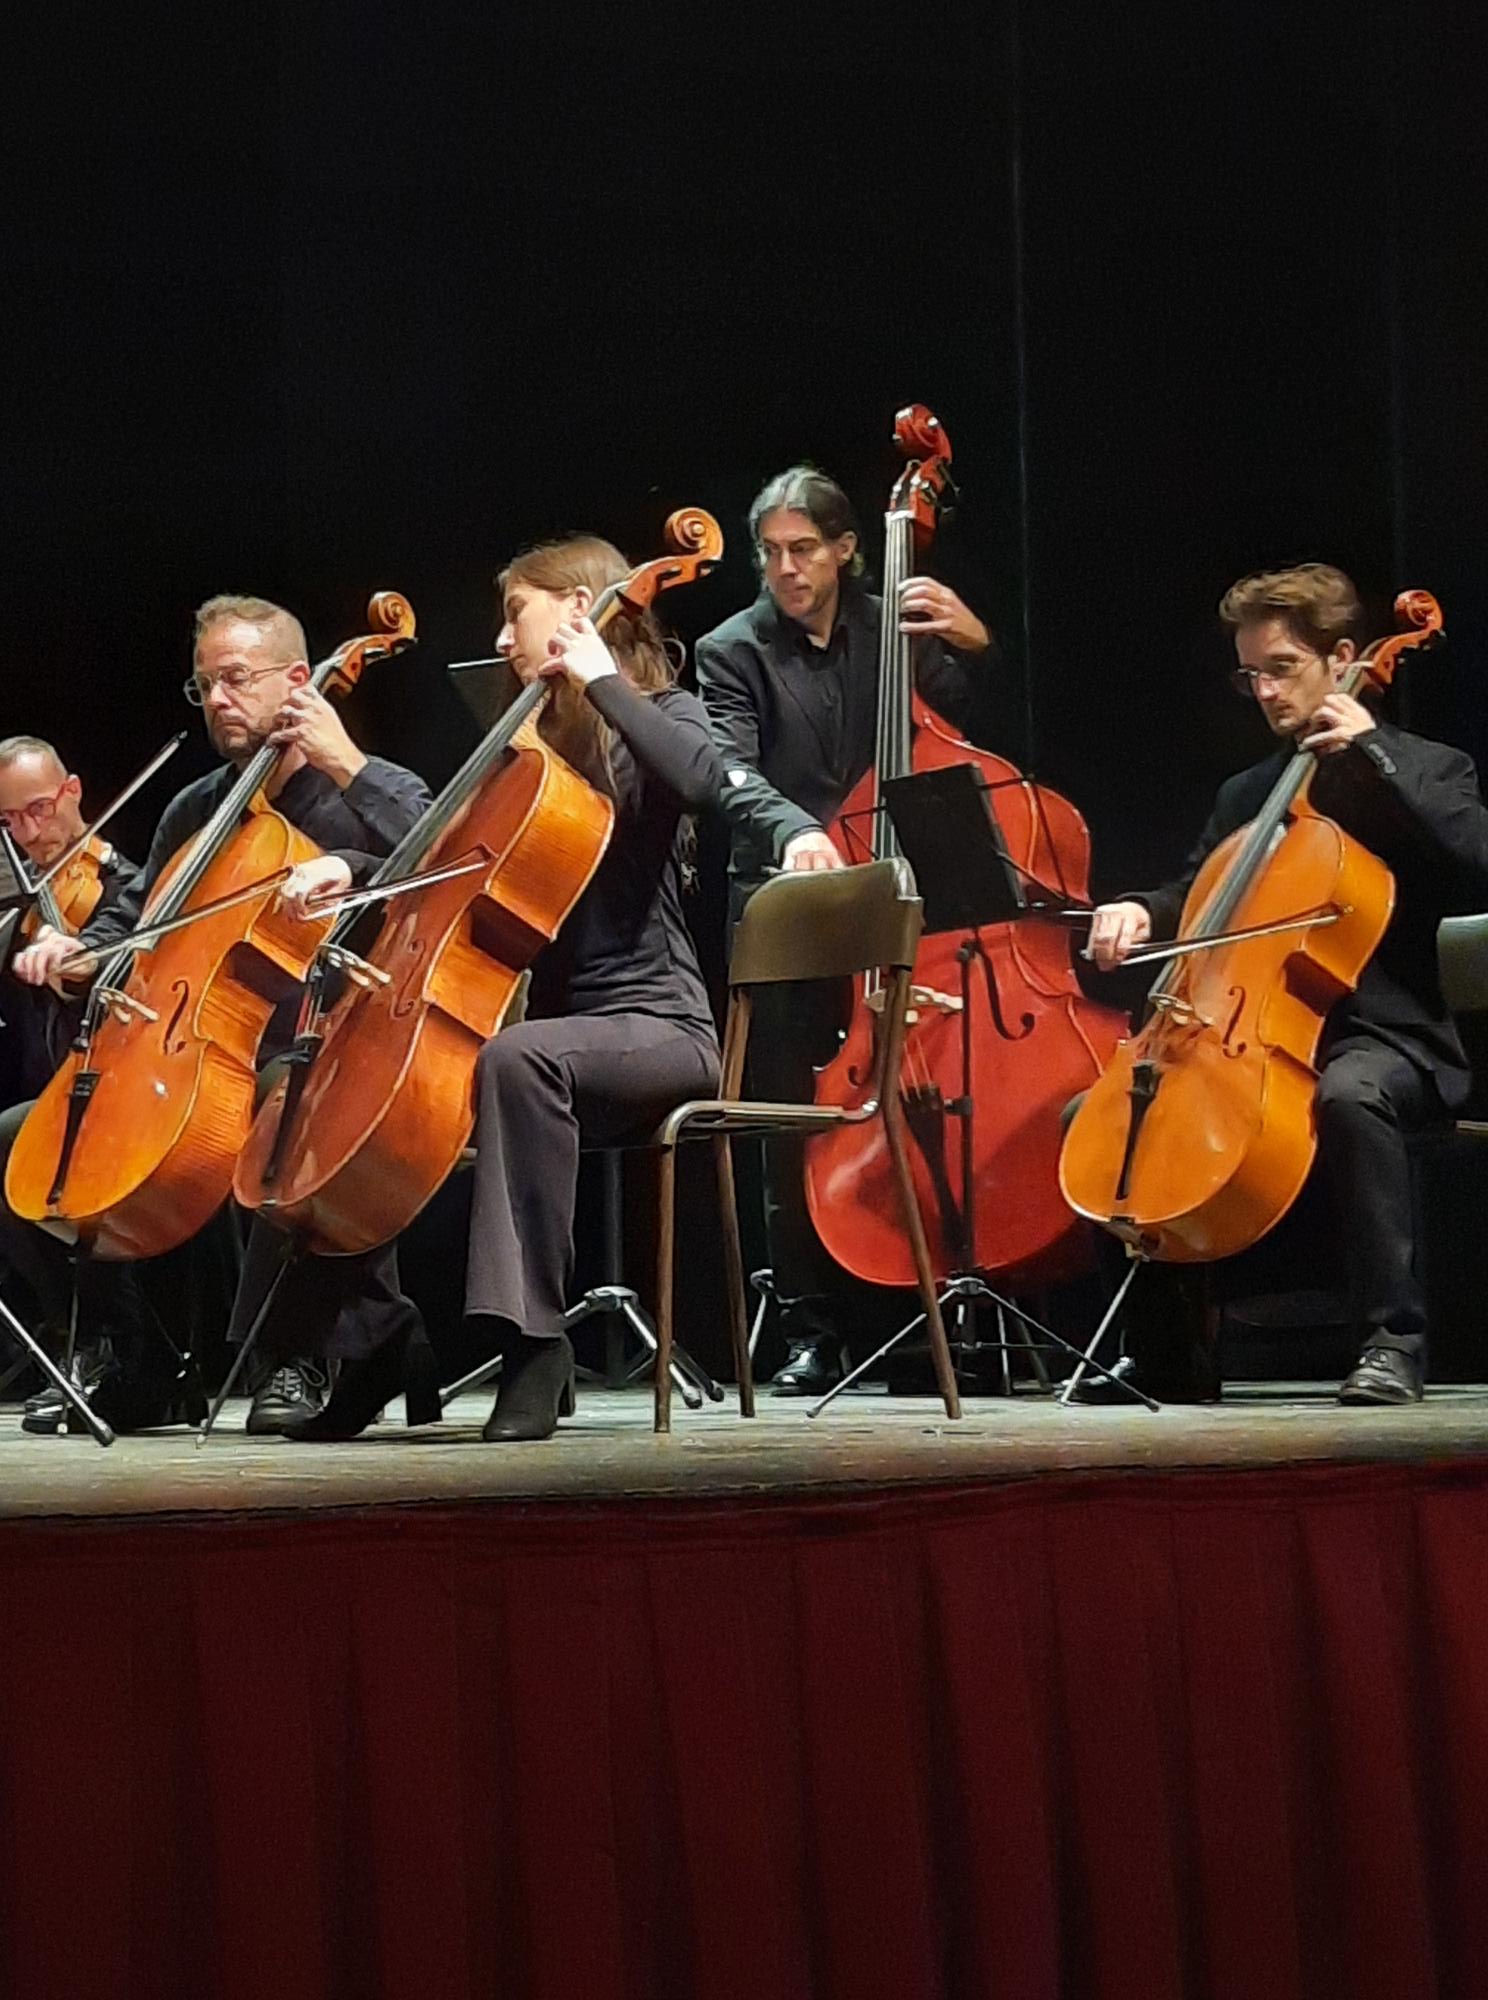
(607, 1451)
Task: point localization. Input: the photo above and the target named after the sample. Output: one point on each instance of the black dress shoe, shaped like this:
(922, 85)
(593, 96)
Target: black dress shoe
(811, 1367)
(292, 1394)
(1383, 1375)
(364, 1388)
(537, 1388)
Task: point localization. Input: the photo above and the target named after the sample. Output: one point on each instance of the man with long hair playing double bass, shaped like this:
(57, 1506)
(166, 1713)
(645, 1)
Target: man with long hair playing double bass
(1390, 1061)
(791, 689)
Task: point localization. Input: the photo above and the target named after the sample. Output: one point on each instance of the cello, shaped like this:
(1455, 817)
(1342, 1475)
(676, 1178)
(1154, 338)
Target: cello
(379, 1105)
(132, 1143)
(1001, 1034)
(1200, 1134)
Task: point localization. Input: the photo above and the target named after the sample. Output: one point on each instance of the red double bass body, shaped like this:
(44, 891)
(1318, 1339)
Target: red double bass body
(1002, 1036)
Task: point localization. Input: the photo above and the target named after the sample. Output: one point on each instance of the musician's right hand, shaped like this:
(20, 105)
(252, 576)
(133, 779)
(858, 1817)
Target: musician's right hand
(1116, 930)
(38, 964)
(312, 882)
(805, 851)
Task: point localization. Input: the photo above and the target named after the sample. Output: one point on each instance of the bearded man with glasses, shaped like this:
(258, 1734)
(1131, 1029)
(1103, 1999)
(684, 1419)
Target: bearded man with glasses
(251, 678)
(1390, 1062)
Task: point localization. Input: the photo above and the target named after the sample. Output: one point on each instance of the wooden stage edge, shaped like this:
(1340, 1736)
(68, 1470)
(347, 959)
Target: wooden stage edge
(607, 1452)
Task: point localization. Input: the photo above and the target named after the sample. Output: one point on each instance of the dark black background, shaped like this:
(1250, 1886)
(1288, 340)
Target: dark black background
(310, 299)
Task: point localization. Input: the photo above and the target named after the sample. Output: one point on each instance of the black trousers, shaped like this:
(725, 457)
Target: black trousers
(1355, 1217)
(543, 1089)
(108, 1294)
(44, 1261)
(343, 1307)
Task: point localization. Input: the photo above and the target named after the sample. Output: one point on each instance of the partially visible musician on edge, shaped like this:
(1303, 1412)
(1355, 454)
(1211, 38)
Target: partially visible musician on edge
(250, 675)
(791, 690)
(41, 807)
(1390, 1062)
(618, 1027)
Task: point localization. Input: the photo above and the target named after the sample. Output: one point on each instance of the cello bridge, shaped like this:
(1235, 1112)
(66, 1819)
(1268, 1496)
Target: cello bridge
(124, 1007)
(922, 1000)
(360, 971)
(1183, 1011)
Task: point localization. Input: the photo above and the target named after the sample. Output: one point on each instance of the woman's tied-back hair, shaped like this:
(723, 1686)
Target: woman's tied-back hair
(283, 632)
(802, 489)
(1318, 603)
(570, 722)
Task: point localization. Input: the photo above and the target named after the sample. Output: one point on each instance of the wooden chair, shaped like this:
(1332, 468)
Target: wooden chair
(834, 924)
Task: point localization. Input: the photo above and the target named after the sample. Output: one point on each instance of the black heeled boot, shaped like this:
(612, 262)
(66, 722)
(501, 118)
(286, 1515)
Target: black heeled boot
(365, 1388)
(537, 1388)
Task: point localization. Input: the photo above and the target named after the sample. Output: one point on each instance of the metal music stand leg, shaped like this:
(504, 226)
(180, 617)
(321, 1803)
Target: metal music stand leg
(59, 1380)
(290, 1256)
(970, 1286)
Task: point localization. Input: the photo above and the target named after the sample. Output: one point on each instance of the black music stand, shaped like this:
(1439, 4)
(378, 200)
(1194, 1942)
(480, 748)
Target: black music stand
(947, 831)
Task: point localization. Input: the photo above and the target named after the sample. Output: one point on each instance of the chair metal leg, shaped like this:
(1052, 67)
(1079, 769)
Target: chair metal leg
(733, 1265)
(665, 1262)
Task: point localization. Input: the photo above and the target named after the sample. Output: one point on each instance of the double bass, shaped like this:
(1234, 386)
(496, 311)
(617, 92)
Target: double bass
(132, 1144)
(1200, 1134)
(1001, 1036)
(378, 1104)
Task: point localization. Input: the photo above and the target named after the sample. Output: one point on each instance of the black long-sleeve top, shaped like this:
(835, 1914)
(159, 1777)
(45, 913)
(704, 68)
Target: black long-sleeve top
(39, 1023)
(1416, 805)
(625, 947)
(795, 723)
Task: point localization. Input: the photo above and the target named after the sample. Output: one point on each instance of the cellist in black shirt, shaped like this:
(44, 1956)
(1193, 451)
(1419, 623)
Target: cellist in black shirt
(1390, 1061)
(791, 689)
(251, 679)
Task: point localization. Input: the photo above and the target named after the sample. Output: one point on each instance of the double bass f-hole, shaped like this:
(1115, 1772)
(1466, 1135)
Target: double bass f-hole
(975, 949)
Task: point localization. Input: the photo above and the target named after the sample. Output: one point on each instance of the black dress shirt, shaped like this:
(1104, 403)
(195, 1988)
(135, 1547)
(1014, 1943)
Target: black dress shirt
(1416, 806)
(38, 1023)
(361, 824)
(796, 724)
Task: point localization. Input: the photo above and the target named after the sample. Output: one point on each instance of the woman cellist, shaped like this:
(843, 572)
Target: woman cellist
(1389, 1060)
(618, 1026)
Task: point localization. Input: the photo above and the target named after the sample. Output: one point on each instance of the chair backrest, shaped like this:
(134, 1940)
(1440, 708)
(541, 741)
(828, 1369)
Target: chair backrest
(828, 924)
(1462, 960)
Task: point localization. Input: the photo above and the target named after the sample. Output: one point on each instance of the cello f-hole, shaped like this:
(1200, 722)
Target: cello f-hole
(1232, 1048)
(168, 1042)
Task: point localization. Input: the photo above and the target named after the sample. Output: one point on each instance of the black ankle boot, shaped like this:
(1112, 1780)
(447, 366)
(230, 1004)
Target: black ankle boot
(365, 1388)
(537, 1388)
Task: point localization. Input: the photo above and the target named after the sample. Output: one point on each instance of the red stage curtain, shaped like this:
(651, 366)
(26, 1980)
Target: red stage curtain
(1195, 1735)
